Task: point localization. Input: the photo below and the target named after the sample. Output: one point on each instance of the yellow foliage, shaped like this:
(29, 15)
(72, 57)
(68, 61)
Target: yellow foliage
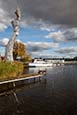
(27, 58)
(19, 50)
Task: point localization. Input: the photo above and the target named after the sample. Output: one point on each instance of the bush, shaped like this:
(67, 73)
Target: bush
(10, 70)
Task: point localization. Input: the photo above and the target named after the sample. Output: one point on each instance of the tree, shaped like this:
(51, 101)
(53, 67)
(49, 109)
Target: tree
(19, 50)
(10, 45)
(27, 58)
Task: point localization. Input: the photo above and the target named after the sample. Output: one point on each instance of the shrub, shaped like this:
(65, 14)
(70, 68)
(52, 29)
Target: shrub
(10, 70)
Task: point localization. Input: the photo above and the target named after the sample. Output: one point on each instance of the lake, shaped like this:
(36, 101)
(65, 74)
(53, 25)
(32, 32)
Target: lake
(55, 94)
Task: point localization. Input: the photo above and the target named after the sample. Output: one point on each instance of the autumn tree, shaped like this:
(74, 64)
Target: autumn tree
(27, 58)
(19, 50)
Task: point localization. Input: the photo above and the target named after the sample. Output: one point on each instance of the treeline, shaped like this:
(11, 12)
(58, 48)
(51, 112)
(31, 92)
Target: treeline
(65, 59)
(71, 59)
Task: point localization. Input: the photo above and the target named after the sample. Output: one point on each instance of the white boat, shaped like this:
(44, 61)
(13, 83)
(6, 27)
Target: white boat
(40, 63)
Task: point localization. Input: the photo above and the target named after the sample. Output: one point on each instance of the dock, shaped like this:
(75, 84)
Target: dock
(21, 79)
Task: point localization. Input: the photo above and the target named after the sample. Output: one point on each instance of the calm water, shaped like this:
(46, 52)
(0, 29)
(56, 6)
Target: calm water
(56, 94)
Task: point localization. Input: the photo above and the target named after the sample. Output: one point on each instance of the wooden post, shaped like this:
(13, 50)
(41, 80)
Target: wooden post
(39, 78)
(14, 84)
(34, 79)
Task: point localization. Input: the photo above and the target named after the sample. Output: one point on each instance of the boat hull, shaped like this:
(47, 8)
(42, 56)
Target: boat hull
(40, 65)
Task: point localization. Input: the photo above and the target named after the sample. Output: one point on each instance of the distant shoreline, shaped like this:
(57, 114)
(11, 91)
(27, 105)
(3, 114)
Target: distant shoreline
(70, 62)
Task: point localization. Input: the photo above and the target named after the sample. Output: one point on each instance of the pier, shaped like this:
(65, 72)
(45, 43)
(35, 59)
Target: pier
(8, 85)
(21, 79)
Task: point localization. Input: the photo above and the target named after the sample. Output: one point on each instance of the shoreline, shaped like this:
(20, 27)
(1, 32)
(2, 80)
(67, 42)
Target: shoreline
(20, 74)
(70, 62)
(19, 77)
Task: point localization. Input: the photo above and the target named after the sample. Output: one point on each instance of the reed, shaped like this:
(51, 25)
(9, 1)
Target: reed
(10, 70)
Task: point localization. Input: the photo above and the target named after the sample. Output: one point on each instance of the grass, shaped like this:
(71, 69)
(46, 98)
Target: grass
(10, 70)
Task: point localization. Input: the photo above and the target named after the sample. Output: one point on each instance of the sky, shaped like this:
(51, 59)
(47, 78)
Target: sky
(48, 28)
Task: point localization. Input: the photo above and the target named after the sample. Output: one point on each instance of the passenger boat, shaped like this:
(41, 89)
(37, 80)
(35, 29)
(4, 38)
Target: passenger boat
(40, 63)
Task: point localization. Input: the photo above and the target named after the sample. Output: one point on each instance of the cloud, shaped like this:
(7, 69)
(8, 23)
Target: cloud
(67, 51)
(40, 46)
(4, 18)
(2, 26)
(52, 27)
(68, 35)
(62, 12)
(57, 36)
(45, 29)
(19, 41)
(44, 54)
(4, 42)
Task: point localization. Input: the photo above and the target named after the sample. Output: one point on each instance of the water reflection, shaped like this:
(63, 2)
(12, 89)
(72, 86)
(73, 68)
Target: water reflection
(16, 98)
(35, 70)
(56, 94)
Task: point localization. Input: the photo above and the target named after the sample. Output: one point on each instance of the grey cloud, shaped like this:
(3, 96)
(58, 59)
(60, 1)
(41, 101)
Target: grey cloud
(71, 34)
(53, 11)
(67, 35)
(67, 50)
(40, 46)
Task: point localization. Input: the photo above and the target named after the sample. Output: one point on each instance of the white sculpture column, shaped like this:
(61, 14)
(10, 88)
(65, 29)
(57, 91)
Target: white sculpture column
(15, 25)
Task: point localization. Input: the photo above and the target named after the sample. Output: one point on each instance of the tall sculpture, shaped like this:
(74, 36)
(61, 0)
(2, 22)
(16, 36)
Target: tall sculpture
(15, 25)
